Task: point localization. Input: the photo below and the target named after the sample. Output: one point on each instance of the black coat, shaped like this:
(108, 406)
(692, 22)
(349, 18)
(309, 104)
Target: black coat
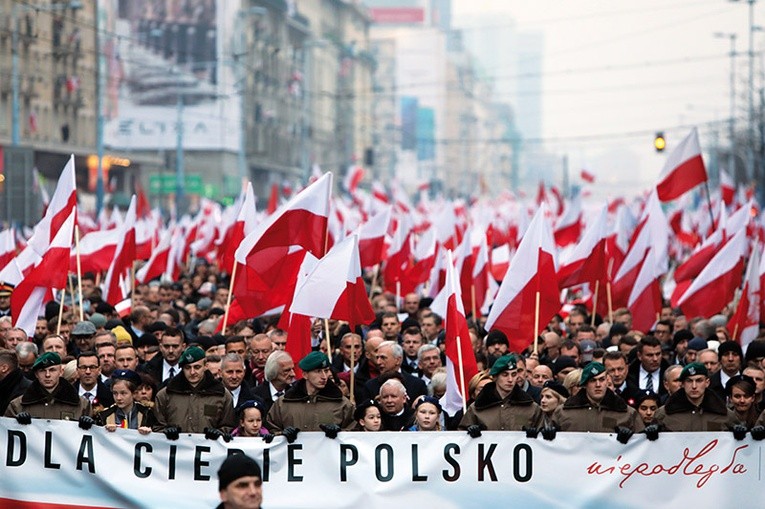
(103, 399)
(11, 387)
(263, 391)
(633, 377)
(415, 387)
(397, 422)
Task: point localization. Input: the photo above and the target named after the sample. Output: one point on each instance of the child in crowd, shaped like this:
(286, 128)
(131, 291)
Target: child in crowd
(368, 416)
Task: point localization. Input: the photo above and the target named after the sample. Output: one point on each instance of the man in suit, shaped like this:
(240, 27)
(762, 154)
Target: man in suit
(165, 366)
(731, 358)
(232, 376)
(412, 341)
(647, 371)
(617, 369)
(389, 357)
(280, 375)
(90, 386)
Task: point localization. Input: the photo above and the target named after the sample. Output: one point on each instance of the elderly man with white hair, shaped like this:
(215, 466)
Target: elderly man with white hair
(388, 357)
(396, 414)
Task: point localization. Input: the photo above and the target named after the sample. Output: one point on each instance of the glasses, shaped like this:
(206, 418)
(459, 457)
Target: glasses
(87, 368)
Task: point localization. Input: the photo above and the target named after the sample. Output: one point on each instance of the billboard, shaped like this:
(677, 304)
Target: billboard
(165, 61)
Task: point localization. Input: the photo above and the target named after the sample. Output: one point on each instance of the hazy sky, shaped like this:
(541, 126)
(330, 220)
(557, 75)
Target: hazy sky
(617, 71)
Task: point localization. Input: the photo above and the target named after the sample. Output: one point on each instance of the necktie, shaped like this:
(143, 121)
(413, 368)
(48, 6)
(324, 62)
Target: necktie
(89, 396)
(171, 373)
(649, 382)
(279, 394)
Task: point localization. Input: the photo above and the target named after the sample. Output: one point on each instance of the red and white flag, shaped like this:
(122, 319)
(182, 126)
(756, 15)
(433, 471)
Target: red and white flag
(243, 225)
(29, 295)
(96, 251)
(568, 228)
(337, 278)
(532, 272)
(644, 301)
(157, 264)
(269, 258)
(460, 360)
(727, 187)
(353, 178)
(7, 246)
(117, 283)
(500, 261)
(372, 238)
(744, 325)
(587, 261)
(683, 170)
(716, 285)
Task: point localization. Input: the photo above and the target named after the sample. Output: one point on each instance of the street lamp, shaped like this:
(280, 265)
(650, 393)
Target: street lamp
(732, 114)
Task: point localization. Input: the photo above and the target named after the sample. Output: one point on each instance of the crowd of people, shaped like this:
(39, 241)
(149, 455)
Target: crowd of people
(167, 368)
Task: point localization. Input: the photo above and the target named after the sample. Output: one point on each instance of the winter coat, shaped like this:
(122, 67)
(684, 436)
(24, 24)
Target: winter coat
(62, 404)
(140, 416)
(578, 413)
(299, 410)
(208, 405)
(512, 413)
(12, 386)
(679, 414)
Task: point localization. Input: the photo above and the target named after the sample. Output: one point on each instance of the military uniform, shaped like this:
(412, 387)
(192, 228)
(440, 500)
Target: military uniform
(512, 413)
(62, 404)
(299, 410)
(578, 413)
(679, 414)
(208, 405)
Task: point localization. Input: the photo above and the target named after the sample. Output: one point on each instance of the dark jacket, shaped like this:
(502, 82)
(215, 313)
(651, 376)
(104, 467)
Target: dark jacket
(299, 410)
(397, 422)
(263, 391)
(208, 405)
(633, 377)
(245, 393)
(578, 413)
(679, 414)
(62, 404)
(103, 396)
(12, 386)
(415, 387)
(512, 413)
(143, 416)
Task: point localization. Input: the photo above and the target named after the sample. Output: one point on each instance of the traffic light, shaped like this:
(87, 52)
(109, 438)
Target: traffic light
(659, 142)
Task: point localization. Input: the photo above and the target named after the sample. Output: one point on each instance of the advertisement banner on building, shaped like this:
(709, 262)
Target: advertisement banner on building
(55, 464)
(167, 62)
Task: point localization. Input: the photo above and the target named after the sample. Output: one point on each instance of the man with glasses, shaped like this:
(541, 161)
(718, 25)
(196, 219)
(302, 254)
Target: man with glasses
(89, 384)
(663, 332)
(165, 366)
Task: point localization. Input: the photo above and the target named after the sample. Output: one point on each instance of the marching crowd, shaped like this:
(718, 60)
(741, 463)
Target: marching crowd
(166, 368)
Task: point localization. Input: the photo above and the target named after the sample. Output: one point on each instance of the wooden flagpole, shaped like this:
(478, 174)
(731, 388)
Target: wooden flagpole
(60, 311)
(461, 367)
(595, 303)
(608, 291)
(79, 266)
(228, 299)
(353, 375)
(374, 279)
(472, 302)
(326, 333)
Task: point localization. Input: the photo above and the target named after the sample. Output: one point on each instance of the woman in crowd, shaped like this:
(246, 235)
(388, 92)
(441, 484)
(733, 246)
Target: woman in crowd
(648, 403)
(427, 415)
(126, 412)
(740, 390)
(553, 394)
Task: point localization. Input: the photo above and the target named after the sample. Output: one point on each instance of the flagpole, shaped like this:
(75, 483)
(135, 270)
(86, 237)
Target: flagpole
(326, 332)
(734, 337)
(374, 279)
(353, 375)
(228, 298)
(398, 295)
(610, 305)
(709, 203)
(595, 302)
(536, 324)
(472, 302)
(79, 266)
(462, 376)
(71, 289)
(132, 282)
(60, 311)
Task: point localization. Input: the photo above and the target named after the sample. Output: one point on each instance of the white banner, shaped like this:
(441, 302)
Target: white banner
(56, 463)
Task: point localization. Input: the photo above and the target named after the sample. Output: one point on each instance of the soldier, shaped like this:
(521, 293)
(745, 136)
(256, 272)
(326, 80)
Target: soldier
(598, 409)
(695, 407)
(312, 403)
(194, 401)
(502, 404)
(50, 396)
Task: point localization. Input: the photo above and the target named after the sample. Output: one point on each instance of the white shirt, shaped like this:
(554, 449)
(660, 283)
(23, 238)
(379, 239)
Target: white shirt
(235, 394)
(92, 391)
(166, 370)
(275, 392)
(654, 377)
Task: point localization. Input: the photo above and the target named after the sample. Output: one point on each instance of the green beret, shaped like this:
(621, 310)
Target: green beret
(591, 370)
(191, 354)
(693, 369)
(314, 360)
(46, 360)
(504, 363)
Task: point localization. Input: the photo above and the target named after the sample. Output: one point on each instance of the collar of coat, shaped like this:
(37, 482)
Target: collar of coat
(610, 401)
(298, 392)
(11, 379)
(65, 393)
(679, 403)
(489, 397)
(207, 386)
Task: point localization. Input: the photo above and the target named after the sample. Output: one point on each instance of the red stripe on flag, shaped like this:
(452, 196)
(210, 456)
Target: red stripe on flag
(8, 503)
(682, 179)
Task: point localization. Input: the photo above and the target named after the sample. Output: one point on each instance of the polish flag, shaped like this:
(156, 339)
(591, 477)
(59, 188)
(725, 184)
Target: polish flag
(244, 224)
(500, 261)
(353, 178)
(683, 170)
(644, 301)
(744, 325)
(337, 278)
(399, 256)
(587, 176)
(157, 264)
(460, 360)
(379, 193)
(481, 278)
(569, 225)
(587, 262)
(700, 257)
(532, 272)
(117, 283)
(96, 251)
(273, 199)
(716, 285)
(29, 295)
(424, 258)
(269, 258)
(445, 223)
(372, 238)
(7, 246)
(727, 187)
